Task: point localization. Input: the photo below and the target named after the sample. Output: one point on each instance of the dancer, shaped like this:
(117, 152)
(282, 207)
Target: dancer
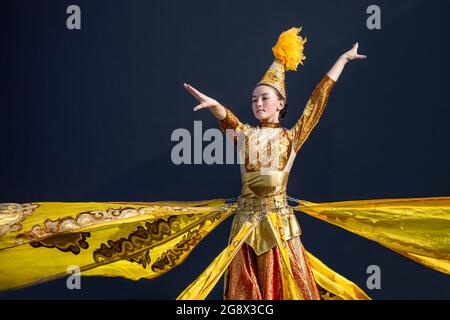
(256, 271)
(264, 258)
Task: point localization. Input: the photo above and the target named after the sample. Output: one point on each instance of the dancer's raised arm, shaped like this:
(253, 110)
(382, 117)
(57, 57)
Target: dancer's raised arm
(337, 68)
(227, 120)
(319, 98)
(206, 102)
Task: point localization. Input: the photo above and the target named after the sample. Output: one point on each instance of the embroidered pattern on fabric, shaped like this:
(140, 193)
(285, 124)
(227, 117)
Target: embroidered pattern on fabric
(66, 242)
(14, 214)
(85, 219)
(136, 247)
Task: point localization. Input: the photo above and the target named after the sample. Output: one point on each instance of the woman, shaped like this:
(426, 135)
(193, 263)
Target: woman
(264, 258)
(256, 270)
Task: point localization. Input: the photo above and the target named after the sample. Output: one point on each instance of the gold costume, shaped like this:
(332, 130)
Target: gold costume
(268, 152)
(40, 240)
(265, 190)
(264, 258)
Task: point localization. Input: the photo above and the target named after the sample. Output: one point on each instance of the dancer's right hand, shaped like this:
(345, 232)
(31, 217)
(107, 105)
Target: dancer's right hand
(205, 101)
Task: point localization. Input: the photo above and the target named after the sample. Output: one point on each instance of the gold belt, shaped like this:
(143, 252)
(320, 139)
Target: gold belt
(255, 210)
(262, 204)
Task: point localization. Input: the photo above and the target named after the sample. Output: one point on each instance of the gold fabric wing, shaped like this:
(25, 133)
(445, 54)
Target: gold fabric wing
(40, 241)
(331, 282)
(417, 228)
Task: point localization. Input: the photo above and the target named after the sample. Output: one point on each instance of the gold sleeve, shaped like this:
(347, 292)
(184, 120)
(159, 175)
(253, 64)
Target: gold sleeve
(230, 122)
(312, 112)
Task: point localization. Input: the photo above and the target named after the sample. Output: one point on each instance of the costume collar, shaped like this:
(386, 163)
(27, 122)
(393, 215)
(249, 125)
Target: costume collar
(269, 125)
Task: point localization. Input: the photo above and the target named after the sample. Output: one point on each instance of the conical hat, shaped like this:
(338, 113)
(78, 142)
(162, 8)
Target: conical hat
(288, 54)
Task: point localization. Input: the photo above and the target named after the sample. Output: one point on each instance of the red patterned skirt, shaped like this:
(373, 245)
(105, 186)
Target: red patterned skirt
(252, 277)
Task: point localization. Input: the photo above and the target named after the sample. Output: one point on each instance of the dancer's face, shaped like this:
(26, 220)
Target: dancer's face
(266, 104)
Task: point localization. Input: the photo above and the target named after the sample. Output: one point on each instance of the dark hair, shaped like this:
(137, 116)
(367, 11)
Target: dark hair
(283, 111)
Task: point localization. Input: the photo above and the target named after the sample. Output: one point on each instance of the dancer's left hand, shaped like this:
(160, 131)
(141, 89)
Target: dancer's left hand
(352, 54)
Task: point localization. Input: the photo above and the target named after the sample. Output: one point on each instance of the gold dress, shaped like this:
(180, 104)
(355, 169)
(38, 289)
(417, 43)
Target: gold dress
(268, 152)
(264, 258)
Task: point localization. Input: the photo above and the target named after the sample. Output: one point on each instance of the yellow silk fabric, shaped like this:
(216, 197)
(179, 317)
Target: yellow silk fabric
(131, 240)
(39, 241)
(326, 278)
(202, 286)
(417, 228)
(290, 289)
(334, 283)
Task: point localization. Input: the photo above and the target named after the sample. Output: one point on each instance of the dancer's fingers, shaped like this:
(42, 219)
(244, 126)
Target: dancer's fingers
(199, 107)
(192, 92)
(198, 93)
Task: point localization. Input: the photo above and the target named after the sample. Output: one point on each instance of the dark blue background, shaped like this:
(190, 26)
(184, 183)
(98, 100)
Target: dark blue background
(87, 116)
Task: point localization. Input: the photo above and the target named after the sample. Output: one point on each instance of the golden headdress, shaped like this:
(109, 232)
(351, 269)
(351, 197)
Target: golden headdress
(288, 54)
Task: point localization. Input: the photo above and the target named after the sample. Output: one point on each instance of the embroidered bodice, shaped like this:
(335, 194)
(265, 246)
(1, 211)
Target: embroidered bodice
(267, 153)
